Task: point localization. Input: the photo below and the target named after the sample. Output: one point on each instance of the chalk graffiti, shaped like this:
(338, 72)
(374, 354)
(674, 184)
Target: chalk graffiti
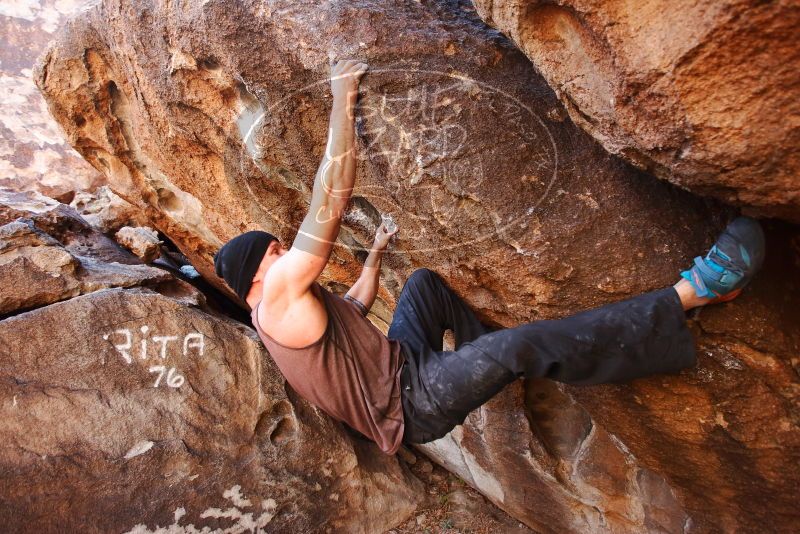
(174, 380)
(198, 343)
(164, 340)
(193, 344)
(438, 140)
(238, 515)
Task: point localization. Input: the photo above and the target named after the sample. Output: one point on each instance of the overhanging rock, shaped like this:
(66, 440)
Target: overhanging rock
(212, 117)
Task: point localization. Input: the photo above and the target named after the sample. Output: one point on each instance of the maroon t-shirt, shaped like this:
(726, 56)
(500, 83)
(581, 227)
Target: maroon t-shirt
(352, 372)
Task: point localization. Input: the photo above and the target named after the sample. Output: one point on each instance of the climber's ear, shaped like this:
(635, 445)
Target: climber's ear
(275, 248)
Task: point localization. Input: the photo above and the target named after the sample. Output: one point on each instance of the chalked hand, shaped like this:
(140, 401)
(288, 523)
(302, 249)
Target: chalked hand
(388, 222)
(385, 232)
(345, 77)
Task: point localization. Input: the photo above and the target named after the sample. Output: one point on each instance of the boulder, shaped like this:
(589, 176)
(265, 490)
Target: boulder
(141, 240)
(137, 409)
(106, 211)
(696, 92)
(458, 138)
(635, 457)
(212, 117)
(37, 269)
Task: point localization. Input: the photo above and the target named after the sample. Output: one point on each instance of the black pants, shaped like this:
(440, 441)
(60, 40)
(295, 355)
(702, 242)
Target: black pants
(640, 336)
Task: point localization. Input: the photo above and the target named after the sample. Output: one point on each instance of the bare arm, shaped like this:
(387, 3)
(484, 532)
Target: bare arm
(366, 287)
(295, 271)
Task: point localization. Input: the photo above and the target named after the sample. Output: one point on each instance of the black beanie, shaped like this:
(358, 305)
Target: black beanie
(238, 259)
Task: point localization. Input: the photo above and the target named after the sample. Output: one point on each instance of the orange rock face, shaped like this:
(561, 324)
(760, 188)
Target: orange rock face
(700, 93)
(212, 118)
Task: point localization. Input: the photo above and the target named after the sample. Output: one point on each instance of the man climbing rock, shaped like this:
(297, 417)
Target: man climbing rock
(403, 387)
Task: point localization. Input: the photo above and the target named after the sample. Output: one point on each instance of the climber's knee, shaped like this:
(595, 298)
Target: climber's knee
(423, 276)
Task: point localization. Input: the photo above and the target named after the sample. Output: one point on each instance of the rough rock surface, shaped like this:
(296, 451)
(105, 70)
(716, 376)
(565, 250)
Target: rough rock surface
(703, 93)
(106, 211)
(130, 409)
(49, 253)
(34, 155)
(212, 117)
(140, 240)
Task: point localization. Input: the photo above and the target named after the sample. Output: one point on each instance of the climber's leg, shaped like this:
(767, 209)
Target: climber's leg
(633, 338)
(637, 337)
(688, 296)
(426, 308)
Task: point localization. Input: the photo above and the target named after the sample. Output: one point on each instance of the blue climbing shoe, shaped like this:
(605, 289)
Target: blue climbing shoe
(731, 263)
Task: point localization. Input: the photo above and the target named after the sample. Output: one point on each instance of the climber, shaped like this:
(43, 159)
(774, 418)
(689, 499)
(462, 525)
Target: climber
(403, 387)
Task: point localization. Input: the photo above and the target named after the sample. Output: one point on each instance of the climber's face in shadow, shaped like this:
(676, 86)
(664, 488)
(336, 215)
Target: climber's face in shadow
(274, 251)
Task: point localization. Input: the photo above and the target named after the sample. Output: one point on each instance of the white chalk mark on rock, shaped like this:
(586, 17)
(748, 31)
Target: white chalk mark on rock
(244, 521)
(195, 340)
(235, 496)
(123, 349)
(140, 448)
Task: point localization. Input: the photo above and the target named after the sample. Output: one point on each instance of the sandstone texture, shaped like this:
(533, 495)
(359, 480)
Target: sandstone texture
(142, 241)
(703, 93)
(211, 118)
(49, 253)
(136, 409)
(106, 211)
(34, 156)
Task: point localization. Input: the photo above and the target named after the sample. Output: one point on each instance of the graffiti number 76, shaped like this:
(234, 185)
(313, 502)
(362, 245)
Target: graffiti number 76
(174, 380)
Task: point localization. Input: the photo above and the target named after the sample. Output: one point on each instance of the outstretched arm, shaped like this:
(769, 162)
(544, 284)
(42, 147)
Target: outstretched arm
(294, 272)
(366, 287)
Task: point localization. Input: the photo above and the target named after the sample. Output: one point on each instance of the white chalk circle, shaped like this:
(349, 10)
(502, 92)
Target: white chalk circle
(411, 132)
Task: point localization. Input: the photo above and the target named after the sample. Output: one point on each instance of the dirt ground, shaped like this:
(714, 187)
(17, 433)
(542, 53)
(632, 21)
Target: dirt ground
(451, 505)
